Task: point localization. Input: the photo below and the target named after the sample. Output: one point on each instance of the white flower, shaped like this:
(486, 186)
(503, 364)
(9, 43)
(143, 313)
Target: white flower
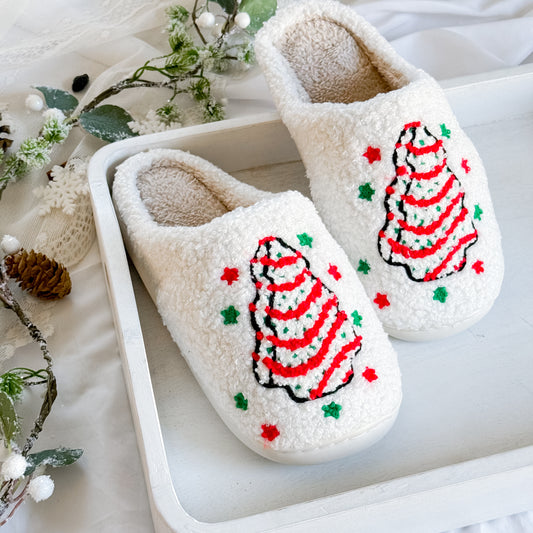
(206, 20)
(242, 19)
(41, 488)
(55, 130)
(34, 102)
(14, 466)
(10, 245)
(34, 152)
(54, 114)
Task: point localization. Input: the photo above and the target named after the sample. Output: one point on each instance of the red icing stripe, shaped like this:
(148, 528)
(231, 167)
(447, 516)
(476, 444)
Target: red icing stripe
(433, 275)
(266, 239)
(431, 174)
(283, 261)
(426, 202)
(412, 125)
(300, 370)
(348, 375)
(311, 333)
(314, 294)
(291, 285)
(431, 228)
(339, 358)
(422, 150)
(404, 250)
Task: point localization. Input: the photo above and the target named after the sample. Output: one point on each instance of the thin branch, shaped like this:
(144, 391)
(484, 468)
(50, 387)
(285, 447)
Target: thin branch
(51, 389)
(193, 16)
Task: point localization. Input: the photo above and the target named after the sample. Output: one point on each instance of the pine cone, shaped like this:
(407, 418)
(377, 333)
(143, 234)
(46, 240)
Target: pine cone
(40, 276)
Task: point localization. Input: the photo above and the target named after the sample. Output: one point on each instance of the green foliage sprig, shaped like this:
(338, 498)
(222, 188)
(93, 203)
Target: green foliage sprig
(21, 472)
(214, 38)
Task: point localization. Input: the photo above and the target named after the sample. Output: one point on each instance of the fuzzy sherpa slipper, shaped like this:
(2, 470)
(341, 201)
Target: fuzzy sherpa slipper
(395, 179)
(264, 304)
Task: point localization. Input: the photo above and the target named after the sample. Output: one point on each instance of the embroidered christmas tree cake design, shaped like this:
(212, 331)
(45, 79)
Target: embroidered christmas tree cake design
(428, 228)
(304, 342)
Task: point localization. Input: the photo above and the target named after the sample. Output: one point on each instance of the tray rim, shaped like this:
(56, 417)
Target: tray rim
(462, 483)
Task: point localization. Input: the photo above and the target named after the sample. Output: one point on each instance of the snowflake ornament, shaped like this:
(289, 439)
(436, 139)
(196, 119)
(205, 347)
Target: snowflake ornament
(152, 123)
(66, 186)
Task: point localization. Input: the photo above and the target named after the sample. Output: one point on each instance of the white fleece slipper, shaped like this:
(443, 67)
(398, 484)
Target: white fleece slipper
(395, 179)
(264, 305)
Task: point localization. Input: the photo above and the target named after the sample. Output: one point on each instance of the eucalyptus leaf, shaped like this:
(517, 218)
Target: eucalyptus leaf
(54, 458)
(107, 122)
(59, 99)
(259, 10)
(9, 422)
(227, 5)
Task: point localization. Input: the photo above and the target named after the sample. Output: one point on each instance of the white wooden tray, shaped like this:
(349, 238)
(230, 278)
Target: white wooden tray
(462, 448)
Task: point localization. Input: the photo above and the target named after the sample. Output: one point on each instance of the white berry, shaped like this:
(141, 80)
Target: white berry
(41, 488)
(242, 19)
(10, 244)
(206, 20)
(34, 102)
(14, 466)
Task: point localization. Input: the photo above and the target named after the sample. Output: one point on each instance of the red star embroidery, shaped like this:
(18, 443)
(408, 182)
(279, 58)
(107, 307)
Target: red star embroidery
(478, 267)
(370, 374)
(464, 164)
(269, 432)
(381, 300)
(230, 275)
(334, 271)
(372, 154)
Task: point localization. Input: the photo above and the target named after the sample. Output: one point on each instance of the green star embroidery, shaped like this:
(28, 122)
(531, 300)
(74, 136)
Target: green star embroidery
(444, 131)
(230, 315)
(477, 212)
(366, 192)
(357, 318)
(240, 401)
(363, 267)
(305, 240)
(440, 294)
(333, 409)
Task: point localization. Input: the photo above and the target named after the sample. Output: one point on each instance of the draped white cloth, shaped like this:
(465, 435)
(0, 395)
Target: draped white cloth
(48, 43)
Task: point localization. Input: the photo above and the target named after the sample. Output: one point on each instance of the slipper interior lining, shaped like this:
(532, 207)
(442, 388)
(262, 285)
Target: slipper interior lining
(333, 65)
(175, 195)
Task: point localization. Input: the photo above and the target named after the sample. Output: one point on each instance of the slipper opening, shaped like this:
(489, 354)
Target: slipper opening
(176, 195)
(334, 65)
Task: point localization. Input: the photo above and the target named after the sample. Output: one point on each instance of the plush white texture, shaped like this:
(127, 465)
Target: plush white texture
(333, 136)
(182, 268)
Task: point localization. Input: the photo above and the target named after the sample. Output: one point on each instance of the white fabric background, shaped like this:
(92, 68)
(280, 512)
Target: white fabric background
(48, 43)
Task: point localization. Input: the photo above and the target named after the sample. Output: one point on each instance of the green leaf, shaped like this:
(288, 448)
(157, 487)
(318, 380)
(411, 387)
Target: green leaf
(227, 5)
(12, 384)
(59, 99)
(55, 458)
(107, 122)
(9, 422)
(259, 10)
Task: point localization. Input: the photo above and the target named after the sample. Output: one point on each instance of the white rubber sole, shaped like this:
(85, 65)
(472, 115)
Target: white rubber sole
(435, 334)
(332, 451)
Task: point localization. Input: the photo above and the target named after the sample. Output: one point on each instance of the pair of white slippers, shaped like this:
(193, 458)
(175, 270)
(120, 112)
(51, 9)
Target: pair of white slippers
(281, 318)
